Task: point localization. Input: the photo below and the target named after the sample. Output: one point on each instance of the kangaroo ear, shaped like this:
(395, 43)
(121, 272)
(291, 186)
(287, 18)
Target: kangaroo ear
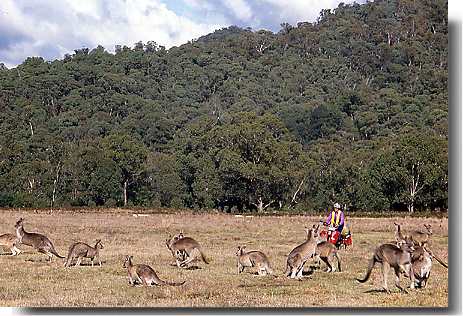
(243, 247)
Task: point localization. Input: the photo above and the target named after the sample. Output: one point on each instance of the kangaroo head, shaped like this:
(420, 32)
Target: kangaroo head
(428, 228)
(19, 223)
(127, 261)
(407, 245)
(316, 231)
(309, 232)
(99, 244)
(240, 250)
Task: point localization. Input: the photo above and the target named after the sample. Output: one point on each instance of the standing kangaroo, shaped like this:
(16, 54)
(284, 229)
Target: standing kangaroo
(253, 259)
(299, 255)
(183, 249)
(10, 241)
(399, 237)
(420, 237)
(393, 256)
(81, 250)
(324, 251)
(40, 242)
(422, 264)
(144, 274)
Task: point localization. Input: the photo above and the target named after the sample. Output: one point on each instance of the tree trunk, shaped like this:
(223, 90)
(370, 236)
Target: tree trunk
(125, 192)
(55, 182)
(260, 204)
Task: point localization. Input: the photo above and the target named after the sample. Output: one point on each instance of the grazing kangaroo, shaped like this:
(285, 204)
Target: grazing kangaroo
(183, 249)
(10, 241)
(40, 242)
(299, 255)
(81, 250)
(144, 274)
(324, 251)
(253, 259)
(393, 256)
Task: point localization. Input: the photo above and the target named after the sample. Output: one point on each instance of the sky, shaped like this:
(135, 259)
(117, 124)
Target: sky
(50, 28)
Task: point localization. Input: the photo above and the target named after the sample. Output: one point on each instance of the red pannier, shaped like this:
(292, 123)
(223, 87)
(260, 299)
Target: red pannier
(334, 237)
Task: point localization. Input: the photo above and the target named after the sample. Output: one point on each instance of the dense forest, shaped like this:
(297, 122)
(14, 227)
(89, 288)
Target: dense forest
(351, 108)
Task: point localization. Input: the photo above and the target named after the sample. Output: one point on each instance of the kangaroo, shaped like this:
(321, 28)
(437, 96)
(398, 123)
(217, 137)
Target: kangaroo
(393, 256)
(324, 251)
(10, 241)
(420, 237)
(253, 259)
(422, 264)
(183, 250)
(81, 250)
(40, 242)
(299, 255)
(144, 274)
(399, 237)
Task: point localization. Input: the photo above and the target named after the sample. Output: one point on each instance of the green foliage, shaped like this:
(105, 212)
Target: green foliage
(347, 109)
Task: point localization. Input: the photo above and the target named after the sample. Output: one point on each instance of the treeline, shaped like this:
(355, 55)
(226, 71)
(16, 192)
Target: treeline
(352, 108)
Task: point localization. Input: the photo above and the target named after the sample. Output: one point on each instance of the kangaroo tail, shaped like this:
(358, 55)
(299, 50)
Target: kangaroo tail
(53, 251)
(440, 261)
(437, 258)
(371, 264)
(203, 257)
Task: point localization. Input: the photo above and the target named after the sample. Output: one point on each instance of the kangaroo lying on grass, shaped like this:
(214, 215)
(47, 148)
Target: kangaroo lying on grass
(324, 251)
(184, 250)
(81, 250)
(253, 259)
(299, 255)
(393, 256)
(40, 242)
(10, 241)
(144, 274)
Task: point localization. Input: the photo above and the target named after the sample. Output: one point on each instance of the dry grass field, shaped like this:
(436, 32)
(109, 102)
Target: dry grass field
(28, 280)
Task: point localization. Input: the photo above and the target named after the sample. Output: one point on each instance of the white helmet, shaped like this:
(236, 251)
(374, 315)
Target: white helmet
(336, 205)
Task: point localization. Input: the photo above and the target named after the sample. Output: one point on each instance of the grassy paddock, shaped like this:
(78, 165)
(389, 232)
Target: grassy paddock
(28, 280)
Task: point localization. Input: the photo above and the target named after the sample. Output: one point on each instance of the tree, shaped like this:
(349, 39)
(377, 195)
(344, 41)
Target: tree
(129, 154)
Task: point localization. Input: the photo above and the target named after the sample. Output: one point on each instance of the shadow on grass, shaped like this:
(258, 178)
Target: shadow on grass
(87, 264)
(376, 291)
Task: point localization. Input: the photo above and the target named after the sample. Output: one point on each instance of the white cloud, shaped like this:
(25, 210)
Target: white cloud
(51, 28)
(294, 11)
(239, 8)
(69, 25)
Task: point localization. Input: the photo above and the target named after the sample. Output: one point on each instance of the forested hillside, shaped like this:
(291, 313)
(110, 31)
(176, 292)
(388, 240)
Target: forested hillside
(352, 108)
